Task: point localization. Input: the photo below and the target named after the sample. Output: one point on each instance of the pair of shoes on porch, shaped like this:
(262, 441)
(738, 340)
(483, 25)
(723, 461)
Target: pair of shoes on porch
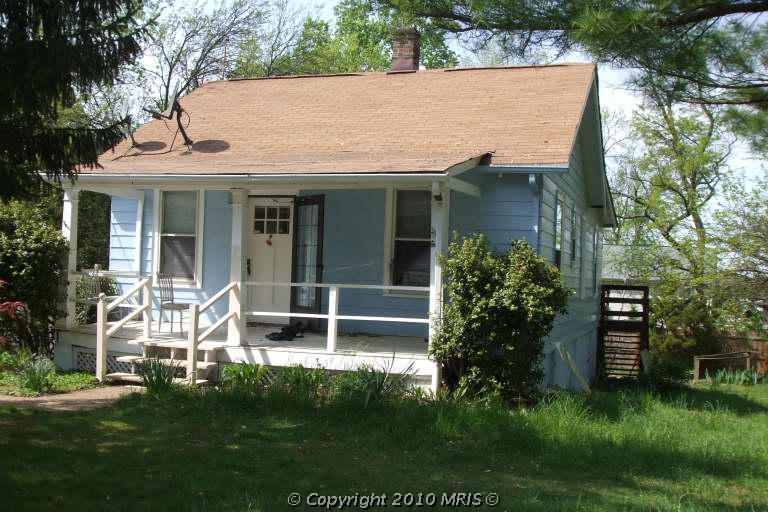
(287, 333)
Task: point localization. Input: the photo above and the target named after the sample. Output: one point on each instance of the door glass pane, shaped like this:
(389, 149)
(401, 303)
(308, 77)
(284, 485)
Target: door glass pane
(413, 214)
(306, 254)
(411, 265)
(260, 212)
(179, 212)
(282, 227)
(285, 212)
(272, 212)
(271, 227)
(177, 256)
(258, 227)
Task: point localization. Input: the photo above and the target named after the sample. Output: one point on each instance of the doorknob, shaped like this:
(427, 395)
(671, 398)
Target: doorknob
(248, 266)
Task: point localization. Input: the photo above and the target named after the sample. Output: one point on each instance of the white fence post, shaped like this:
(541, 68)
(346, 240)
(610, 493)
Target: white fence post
(101, 338)
(147, 301)
(333, 310)
(194, 313)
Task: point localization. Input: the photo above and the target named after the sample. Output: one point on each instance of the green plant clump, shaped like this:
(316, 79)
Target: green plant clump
(733, 377)
(158, 376)
(498, 311)
(37, 374)
(306, 385)
(367, 386)
(245, 379)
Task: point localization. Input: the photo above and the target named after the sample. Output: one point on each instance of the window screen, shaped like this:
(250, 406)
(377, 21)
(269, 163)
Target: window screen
(413, 239)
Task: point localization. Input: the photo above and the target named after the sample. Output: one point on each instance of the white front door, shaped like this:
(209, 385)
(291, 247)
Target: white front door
(270, 252)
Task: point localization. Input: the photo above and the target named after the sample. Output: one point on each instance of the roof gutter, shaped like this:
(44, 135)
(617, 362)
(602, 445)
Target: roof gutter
(138, 179)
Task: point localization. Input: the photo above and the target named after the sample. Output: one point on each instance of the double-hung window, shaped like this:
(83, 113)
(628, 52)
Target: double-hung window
(178, 234)
(412, 238)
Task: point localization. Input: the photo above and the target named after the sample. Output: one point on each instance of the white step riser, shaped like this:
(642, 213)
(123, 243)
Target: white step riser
(136, 379)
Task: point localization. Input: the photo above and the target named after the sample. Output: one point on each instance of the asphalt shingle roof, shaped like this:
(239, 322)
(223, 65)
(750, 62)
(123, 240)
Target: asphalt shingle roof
(416, 122)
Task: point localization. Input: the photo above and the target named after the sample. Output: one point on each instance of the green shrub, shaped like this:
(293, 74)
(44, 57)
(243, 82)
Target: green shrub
(498, 310)
(666, 372)
(366, 385)
(37, 373)
(245, 379)
(32, 252)
(157, 376)
(307, 385)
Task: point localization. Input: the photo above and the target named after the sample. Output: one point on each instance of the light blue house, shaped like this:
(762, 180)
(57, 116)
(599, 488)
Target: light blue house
(326, 200)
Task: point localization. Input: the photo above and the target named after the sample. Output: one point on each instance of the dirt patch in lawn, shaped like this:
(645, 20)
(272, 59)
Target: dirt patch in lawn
(83, 400)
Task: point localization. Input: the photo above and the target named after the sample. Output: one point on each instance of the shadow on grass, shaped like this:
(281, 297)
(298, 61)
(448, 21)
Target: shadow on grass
(698, 397)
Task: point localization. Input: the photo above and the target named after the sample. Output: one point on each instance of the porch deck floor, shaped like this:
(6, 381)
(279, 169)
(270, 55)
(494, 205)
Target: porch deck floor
(256, 339)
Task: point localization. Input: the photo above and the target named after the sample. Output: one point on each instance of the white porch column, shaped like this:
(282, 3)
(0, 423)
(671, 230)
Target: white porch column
(441, 198)
(69, 232)
(237, 331)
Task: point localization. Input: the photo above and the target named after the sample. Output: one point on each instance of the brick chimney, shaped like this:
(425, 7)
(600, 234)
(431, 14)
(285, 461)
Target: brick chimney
(405, 50)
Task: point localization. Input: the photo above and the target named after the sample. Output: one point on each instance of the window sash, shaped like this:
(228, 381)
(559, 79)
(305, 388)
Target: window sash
(177, 257)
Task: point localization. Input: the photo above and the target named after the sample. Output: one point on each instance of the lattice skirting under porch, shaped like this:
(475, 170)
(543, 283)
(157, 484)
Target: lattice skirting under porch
(85, 360)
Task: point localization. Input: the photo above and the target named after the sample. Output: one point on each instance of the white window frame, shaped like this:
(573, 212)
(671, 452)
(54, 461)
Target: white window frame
(197, 280)
(390, 220)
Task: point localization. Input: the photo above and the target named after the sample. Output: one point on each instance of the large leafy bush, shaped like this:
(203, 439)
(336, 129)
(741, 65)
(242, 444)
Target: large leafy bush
(32, 255)
(498, 310)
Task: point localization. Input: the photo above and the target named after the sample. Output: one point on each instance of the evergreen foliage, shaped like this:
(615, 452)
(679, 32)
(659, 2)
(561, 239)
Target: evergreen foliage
(50, 52)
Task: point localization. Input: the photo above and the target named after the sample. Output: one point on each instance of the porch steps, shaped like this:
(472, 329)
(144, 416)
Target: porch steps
(181, 363)
(136, 379)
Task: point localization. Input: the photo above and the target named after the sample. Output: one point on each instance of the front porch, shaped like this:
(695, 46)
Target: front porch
(334, 258)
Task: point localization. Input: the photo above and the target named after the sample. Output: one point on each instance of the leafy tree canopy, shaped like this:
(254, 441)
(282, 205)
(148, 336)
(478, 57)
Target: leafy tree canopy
(51, 52)
(361, 41)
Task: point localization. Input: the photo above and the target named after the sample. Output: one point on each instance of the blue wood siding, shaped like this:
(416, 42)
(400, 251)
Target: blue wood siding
(577, 330)
(506, 211)
(122, 234)
(353, 253)
(217, 233)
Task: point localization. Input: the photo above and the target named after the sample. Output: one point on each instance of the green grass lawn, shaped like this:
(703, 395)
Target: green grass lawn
(700, 449)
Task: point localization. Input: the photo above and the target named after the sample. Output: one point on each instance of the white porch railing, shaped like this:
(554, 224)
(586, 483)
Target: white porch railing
(194, 336)
(104, 330)
(333, 315)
